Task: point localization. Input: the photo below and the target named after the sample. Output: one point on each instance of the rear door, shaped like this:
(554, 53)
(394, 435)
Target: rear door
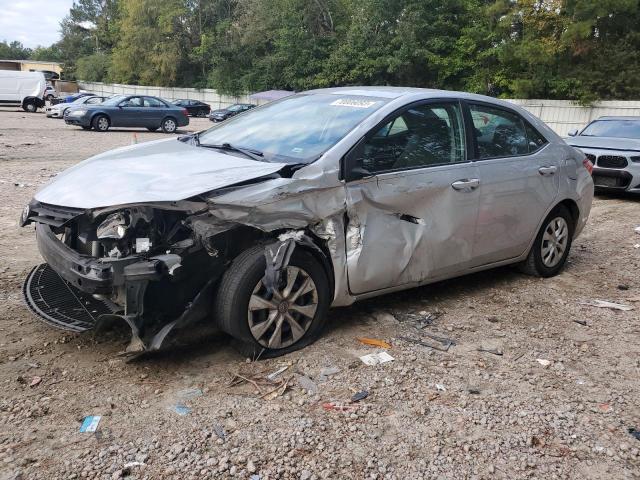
(519, 173)
(154, 112)
(412, 199)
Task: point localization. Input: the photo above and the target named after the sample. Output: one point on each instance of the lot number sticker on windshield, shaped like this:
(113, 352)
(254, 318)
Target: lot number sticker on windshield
(349, 102)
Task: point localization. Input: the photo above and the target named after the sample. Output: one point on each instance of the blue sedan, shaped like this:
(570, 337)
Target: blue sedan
(149, 112)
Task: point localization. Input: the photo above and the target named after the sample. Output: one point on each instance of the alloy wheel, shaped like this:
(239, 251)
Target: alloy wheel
(169, 126)
(103, 124)
(554, 242)
(279, 319)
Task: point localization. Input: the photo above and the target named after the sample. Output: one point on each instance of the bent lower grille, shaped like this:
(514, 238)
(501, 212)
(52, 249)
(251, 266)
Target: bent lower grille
(59, 303)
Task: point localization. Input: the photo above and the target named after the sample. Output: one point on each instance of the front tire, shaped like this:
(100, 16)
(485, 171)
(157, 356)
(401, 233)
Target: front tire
(264, 324)
(101, 123)
(550, 250)
(169, 125)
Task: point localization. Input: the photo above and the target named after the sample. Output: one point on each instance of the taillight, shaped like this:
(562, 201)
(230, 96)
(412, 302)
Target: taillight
(588, 165)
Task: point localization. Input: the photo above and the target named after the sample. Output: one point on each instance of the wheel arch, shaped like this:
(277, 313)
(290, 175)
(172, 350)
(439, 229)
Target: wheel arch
(99, 112)
(573, 208)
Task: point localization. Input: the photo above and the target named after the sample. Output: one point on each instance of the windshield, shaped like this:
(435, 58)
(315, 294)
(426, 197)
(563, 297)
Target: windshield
(296, 129)
(111, 101)
(234, 108)
(613, 128)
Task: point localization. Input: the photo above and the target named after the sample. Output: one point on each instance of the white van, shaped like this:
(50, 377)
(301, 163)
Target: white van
(25, 89)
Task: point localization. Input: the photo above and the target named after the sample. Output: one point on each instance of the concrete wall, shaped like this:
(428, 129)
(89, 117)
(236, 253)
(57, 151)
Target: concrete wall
(565, 115)
(561, 115)
(204, 95)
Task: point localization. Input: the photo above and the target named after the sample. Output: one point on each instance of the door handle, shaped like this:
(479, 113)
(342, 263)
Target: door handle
(466, 184)
(547, 171)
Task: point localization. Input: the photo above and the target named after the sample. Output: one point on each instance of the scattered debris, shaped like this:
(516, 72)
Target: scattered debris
(635, 433)
(35, 381)
(327, 372)
(543, 362)
(581, 322)
(637, 245)
(604, 407)
(605, 304)
(493, 319)
(473, 391)
(219, 431)
(494, 351)
(447, 343)
(637, 230)
(427, 318)
(440, 387)
(272, 376)
(361, 395)
(90, 424)
(374, 342)
(181, 410)
(189, 393)
(376, 358)
(128, 466)
(623, 286)
(339, 407)
(307, 384)
(276, 386)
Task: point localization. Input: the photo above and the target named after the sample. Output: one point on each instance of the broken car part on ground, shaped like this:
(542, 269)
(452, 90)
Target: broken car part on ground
(262, 222)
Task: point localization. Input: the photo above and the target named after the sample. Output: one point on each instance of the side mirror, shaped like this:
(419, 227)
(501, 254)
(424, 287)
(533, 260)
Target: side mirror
(573, 133)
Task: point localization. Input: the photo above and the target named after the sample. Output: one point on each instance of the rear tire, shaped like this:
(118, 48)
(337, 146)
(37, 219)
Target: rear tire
(300, 318)
(169, 125)
(551, 247)
(101, 123)
(30, 106)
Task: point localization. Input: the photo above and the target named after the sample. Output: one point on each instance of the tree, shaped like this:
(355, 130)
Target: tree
(14, 51)
(93, 68)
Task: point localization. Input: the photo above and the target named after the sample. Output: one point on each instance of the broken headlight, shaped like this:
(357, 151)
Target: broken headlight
(114, 226)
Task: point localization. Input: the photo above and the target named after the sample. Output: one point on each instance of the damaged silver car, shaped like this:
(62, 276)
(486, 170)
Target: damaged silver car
(263, 222)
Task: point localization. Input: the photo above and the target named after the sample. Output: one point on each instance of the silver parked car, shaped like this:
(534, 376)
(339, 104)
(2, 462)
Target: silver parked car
(59, 110)
(263, 222)
(613, 146)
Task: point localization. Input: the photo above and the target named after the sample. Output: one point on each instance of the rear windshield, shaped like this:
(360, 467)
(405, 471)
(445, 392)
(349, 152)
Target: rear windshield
(613, 128)
(296, 129)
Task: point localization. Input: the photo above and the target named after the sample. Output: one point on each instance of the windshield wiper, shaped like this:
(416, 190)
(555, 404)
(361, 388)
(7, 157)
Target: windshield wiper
(247, 152)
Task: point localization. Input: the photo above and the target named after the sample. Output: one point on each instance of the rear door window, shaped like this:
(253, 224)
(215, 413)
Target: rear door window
(499, 133)
(153, 102)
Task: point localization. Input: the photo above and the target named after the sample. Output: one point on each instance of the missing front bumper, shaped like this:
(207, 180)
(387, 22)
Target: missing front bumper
(59, 303)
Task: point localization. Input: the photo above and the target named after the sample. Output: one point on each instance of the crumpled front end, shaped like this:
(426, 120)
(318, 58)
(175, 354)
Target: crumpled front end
(151, 266)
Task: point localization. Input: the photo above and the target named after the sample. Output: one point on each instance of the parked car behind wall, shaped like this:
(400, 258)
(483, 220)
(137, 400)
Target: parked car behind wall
(195, 108)
(224, 113)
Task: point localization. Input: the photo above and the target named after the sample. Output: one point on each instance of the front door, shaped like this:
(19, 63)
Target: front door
(519, 171)
(412, 199)
(130, 113)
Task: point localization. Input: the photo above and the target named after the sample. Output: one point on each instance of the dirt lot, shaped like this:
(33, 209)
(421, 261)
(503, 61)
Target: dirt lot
(429, 414)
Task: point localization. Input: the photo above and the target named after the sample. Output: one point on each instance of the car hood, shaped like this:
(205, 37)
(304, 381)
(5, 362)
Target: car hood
(159, 171)
(605, 143)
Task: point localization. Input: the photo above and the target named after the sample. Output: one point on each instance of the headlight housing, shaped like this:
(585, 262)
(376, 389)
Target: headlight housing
(77, 113)
(115, 226)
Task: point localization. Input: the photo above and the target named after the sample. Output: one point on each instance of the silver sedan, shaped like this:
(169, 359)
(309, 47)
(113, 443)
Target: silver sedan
(321, 199)
(613, 146)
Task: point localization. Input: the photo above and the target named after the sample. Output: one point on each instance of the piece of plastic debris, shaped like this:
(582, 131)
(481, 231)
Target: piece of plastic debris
(255, 477)
(440, 387)
(637, 230)
(35, 381)
(327, 372)
(90, 424)
(374, 342)
(130, 465)
(474, 391)
(604, 407)
(272, 376)
(543, 362)
(494, 351)
(376, 358)
(338, 407)
(361, 395)
(181, 410)
(637, 245)
(605, 304)
(307, 384)
(581, 322)
(219, 431)
(444, 348)
(189, 393)
(635, 432)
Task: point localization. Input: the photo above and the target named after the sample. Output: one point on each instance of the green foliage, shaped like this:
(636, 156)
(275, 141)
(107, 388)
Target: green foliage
(567, 49)
(14, 51)
(93, 68)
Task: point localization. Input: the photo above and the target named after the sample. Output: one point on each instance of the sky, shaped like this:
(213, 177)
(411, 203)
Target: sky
(32, 22)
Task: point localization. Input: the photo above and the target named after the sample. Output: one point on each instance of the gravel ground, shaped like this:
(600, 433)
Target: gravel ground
(463, 413)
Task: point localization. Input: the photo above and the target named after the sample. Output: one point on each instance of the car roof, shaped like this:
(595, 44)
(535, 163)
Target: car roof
(397, 92)
(619, 117)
